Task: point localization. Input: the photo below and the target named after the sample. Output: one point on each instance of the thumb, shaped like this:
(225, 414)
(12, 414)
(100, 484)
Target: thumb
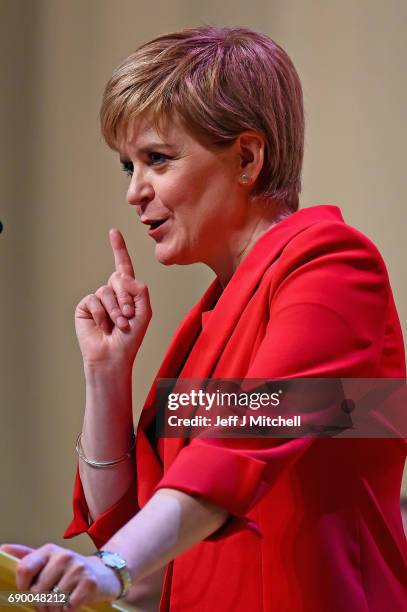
(17, 550)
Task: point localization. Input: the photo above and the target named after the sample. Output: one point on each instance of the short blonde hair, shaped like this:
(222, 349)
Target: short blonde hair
(220, 82)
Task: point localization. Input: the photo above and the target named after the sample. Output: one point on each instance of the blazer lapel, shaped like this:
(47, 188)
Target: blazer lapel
(193, 354)
(179, 349)
(235, 297)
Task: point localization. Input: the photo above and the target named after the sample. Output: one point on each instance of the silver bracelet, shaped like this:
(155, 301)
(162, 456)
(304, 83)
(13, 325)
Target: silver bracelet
(103, 464)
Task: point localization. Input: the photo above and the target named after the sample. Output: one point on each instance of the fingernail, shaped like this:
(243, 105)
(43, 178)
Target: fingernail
(127, 309)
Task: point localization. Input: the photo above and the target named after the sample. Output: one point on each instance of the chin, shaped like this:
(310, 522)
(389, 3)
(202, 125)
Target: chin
(165, 256)
(170, 257)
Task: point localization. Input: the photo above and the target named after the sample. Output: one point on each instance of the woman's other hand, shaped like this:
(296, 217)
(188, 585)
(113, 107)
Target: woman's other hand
(111, 323)
(87, 579)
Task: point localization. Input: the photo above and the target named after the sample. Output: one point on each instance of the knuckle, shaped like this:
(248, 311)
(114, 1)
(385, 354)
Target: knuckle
(87, 299)
(83, 305)
(102, 291)
(77, 569)
(64, 556)
(105, 290)
(22, 570)
(49, 547)
(79, 565)
(90, 583)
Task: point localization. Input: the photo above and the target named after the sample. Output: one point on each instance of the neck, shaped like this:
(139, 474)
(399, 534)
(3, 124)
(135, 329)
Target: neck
(234, 254)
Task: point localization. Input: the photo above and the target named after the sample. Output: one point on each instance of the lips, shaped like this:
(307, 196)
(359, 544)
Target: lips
(153, 223)
(155, 226)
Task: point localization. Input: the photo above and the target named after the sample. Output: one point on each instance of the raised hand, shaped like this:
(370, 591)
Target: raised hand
(111, 323)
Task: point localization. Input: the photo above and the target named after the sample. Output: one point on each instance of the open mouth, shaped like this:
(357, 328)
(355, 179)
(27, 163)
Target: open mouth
(156, 224)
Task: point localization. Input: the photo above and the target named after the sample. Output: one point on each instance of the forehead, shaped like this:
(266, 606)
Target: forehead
(141, 132)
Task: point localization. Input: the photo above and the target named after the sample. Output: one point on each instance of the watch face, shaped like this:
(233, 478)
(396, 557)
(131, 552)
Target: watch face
(113, 560)
(116, 563)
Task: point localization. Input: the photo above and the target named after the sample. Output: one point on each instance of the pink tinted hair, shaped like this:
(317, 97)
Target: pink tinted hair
(220, 82)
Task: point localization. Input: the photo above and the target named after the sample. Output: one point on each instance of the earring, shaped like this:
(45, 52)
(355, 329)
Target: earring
(245, 178)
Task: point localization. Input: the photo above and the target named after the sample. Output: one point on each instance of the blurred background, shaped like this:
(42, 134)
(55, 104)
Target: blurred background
(62, 189)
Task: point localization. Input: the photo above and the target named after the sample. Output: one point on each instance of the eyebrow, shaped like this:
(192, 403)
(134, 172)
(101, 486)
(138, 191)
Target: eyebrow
(152, 145)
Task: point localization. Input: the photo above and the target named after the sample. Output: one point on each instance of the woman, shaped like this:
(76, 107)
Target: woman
(209, 125)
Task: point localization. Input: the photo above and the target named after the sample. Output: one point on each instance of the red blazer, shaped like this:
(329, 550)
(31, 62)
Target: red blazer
(315, 523)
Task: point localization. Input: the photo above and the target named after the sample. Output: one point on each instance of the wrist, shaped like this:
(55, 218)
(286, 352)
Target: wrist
(108, 388)
(115, 371)
(118, 565)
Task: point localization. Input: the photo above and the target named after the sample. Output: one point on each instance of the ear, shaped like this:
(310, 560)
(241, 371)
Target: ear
(250, 148)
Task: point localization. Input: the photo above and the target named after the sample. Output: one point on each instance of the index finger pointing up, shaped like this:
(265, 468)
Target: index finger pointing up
(122, 259)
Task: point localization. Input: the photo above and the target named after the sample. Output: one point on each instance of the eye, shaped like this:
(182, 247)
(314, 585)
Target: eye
(127, 168)
(153, 158)
(156, 159)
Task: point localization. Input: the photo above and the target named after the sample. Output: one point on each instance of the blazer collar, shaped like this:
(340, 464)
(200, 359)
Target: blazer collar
(233, 299)
(192, 353)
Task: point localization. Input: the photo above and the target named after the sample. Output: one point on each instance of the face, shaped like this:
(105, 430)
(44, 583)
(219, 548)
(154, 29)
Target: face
(186, 195)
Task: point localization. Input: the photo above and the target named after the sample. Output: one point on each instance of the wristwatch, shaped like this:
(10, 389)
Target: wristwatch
(119, 565)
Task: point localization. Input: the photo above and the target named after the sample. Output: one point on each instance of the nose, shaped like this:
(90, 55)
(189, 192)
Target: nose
(140, 192)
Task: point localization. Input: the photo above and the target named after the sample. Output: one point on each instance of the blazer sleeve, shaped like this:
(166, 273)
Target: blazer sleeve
(328, 298)
(108, 523)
